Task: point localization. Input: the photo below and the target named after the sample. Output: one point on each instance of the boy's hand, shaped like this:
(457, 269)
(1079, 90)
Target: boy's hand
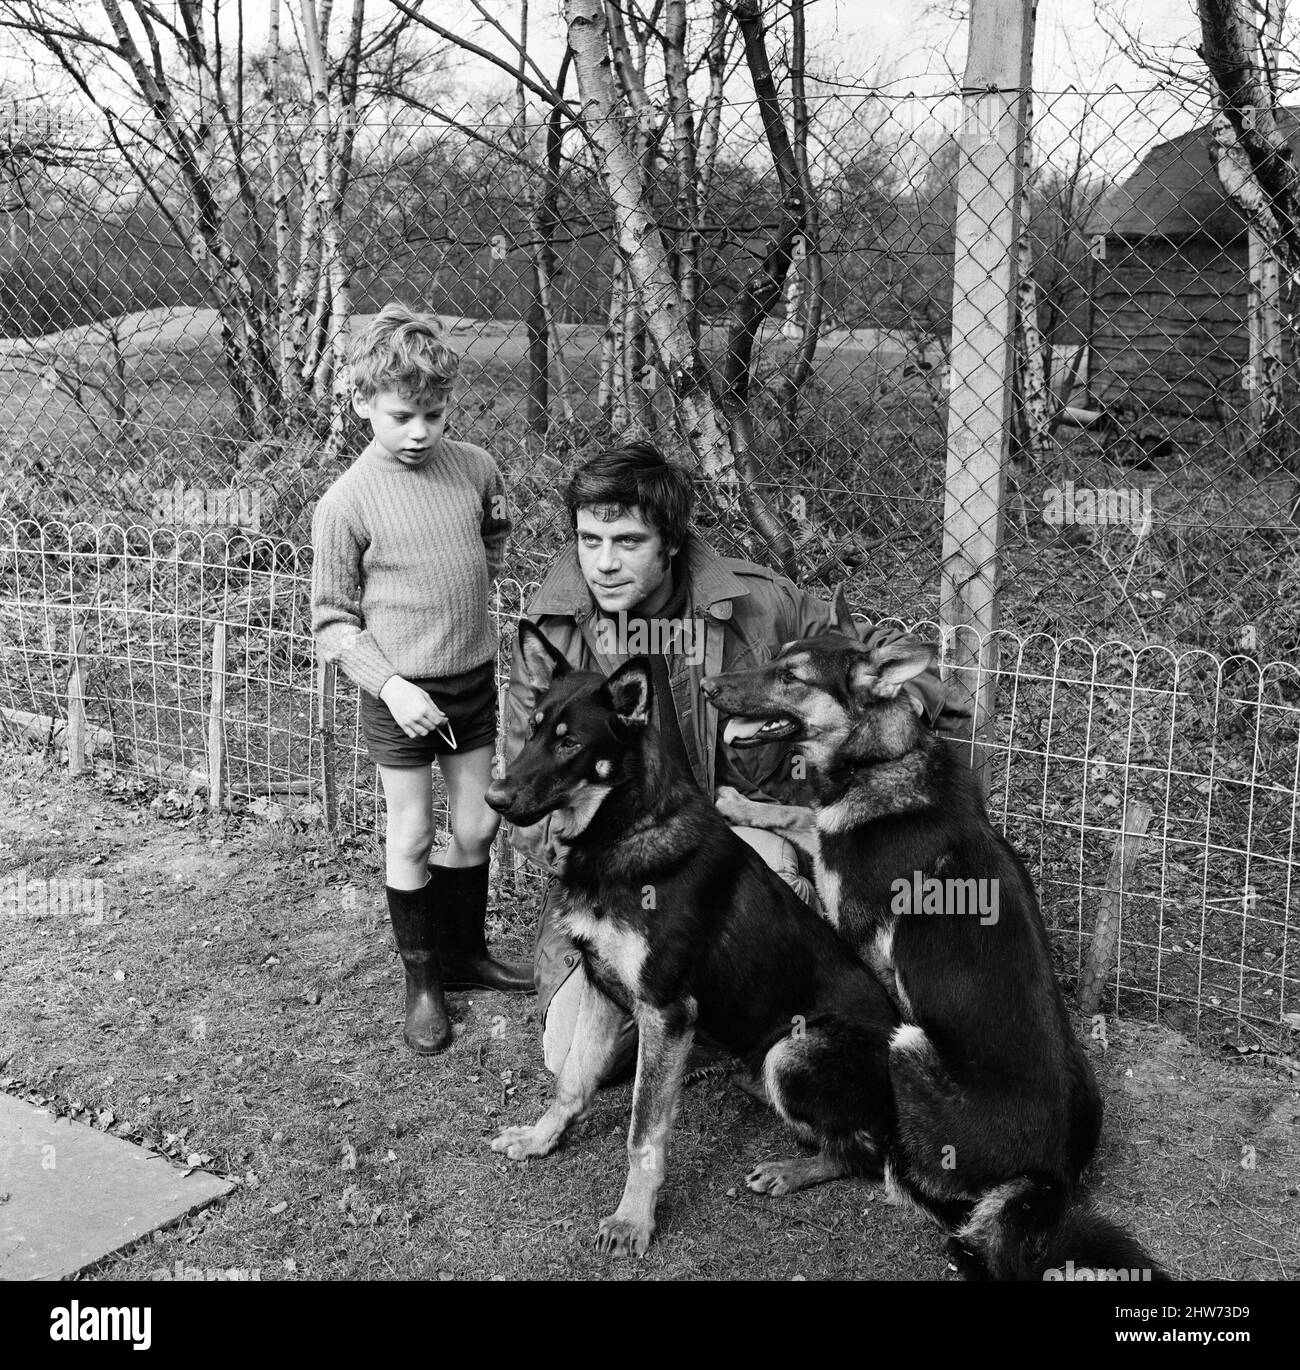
(415, 713)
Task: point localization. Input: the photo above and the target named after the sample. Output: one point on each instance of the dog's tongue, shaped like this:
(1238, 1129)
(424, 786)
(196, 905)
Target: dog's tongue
(742, 728)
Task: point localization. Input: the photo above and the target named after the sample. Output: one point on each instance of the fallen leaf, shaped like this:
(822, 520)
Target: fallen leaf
(349, 1156)
(276, 1209)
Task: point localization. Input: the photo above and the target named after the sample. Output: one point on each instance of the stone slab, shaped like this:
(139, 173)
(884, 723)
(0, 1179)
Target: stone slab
(76, 1195)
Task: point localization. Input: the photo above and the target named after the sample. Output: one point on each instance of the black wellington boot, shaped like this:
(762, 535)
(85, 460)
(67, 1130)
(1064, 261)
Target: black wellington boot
(460, 899)
(415, 930)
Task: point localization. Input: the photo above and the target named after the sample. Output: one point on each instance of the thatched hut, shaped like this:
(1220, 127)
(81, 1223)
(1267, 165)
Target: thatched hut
(1168, 317)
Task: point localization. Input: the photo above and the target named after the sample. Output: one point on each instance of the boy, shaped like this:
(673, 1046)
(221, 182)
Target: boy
(419, 523)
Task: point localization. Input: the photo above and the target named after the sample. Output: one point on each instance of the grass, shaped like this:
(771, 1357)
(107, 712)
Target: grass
(241, 1002)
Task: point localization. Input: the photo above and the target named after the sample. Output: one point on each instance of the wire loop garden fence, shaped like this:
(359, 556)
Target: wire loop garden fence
(1210, 746)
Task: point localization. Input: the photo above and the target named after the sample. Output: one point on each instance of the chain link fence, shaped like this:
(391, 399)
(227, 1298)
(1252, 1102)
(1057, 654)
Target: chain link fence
(1153, 481)
(171, 413)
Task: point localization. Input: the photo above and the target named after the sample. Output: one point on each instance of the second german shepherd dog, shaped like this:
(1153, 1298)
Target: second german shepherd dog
(997, 1110)
(682, 924)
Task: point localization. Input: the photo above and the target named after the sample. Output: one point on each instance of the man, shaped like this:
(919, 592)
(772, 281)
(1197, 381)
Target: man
(638, 582)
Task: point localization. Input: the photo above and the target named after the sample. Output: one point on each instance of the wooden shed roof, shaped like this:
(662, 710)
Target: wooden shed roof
(1174, 192)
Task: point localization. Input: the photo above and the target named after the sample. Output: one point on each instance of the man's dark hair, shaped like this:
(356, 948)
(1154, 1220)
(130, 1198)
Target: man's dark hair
(634, 475)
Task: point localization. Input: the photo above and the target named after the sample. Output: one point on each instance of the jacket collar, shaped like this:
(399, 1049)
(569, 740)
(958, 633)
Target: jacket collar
(712, 586)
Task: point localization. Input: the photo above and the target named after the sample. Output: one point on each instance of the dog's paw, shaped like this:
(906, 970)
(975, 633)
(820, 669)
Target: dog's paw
(623, 1236)
(730, 803)
(521, 1142)
(772, 1177)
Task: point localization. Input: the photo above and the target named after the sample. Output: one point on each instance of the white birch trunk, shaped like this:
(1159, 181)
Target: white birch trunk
(289, 330)
(1035, 396)
(1262, 379)
(335, 276)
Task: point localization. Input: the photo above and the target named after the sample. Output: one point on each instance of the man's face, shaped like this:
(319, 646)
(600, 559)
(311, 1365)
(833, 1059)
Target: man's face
(406, 427)
(623, 560)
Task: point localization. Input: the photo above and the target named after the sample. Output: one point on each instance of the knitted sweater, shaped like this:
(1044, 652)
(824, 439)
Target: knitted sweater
(402, 560)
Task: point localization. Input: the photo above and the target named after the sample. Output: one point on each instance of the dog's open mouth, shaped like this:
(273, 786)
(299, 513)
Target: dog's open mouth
(750, 732)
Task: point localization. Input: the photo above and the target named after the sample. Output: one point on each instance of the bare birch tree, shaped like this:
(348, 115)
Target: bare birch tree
(169, 89)
(644, 154)
(715, 413)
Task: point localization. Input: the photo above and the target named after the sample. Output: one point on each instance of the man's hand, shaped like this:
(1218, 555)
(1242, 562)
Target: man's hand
(791, 821)
(733, 805)
(416, 714)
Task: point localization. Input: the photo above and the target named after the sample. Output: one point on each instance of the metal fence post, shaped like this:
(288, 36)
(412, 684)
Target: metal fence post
(1102, 954)
(326, 680)
(217, 722)
(76, 703)
(995, 100)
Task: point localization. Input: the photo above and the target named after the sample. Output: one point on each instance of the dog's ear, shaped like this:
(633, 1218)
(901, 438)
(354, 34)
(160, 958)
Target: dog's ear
(542, 663)
(886, 668)
(844, 620)
(630, 692)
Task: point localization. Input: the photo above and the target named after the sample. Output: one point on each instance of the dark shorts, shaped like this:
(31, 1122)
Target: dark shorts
(470, 702)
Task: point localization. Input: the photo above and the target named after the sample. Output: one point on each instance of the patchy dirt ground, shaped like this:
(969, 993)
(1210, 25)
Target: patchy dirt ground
(239, 1009)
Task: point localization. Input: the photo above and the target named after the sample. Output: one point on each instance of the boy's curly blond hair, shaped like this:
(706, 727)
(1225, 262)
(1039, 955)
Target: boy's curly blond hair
(403, 350)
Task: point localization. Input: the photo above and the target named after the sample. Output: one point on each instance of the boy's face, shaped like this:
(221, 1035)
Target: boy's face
(406, 427)
(623, 559)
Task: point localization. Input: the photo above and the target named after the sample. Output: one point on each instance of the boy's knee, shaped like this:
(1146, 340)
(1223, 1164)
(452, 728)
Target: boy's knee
(409, 840)
(477, 829)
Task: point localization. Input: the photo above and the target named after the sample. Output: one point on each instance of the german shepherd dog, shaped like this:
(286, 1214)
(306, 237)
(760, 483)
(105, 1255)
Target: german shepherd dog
(684, 926)
(997, 1108)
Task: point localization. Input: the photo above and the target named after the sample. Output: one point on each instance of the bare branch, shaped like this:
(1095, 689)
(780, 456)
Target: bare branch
(545, 91)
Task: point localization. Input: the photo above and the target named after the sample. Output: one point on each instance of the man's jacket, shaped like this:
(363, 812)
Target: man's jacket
(746, 613)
